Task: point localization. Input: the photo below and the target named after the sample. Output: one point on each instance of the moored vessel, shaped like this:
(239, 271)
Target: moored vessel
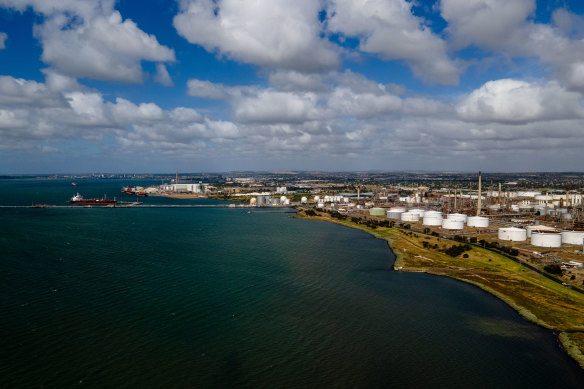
(79, 200)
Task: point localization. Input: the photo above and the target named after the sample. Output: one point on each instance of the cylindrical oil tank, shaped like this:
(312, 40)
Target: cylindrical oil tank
(477, 221)
(394, 214)
(546, 239)
(398, 209)
(573, 237)
(377, 212)
(531, 229)
(457, 216)
(409, 217)
(452, 224)
(513, 234)
(494, 207)
(303, 200)
(432, 220)
(515, 207)
(419, 212)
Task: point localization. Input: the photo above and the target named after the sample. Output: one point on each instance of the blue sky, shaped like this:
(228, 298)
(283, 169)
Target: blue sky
(202, 85)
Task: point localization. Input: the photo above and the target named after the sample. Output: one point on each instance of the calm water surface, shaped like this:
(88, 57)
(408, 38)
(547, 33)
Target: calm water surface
(217, 298)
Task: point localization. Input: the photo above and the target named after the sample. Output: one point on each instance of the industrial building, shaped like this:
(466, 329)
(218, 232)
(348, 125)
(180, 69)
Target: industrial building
(190, 188)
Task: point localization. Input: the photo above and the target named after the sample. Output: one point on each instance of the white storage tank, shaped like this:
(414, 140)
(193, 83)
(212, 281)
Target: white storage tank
(515, 207)
(419, 212)
(432, 220)
(452, 224)
(457, 216)
(534, 228)
(409, 217)
(303, 200)
(398, 209)
(513, 234)
(573, 237)
(477, 221)
(494, 207)
(546, 239)
(395, 214)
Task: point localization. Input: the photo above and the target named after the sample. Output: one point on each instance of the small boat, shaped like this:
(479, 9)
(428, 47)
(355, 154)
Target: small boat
(74, 184)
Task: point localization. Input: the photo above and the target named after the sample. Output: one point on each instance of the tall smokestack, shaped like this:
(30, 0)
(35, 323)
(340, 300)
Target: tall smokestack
(479, 202)
(176, 179)
(500, 194)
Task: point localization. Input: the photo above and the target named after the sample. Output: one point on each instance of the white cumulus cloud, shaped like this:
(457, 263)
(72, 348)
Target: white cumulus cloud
(3, 37)
(514, 101)
(273, 33)
(90, 39)
(485, 22)
(388, 28)
(162, 76)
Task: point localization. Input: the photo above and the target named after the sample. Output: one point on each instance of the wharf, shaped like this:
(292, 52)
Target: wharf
(147, 206)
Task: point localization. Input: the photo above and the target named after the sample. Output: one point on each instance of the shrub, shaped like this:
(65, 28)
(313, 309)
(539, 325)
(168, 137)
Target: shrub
(465, 255)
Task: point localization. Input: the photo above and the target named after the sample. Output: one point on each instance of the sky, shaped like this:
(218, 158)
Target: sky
(337, 85)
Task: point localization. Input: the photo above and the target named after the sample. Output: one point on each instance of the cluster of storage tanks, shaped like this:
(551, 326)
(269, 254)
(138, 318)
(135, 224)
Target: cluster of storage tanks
(453, 221)
(541, 236)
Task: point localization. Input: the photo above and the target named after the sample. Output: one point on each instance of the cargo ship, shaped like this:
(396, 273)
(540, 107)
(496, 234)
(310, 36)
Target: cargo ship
(134, 190)
(79, 200)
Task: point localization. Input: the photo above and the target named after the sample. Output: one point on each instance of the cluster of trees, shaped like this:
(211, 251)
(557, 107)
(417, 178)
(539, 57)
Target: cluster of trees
(372, 223)
(454, 251)
(463, 239)
(554, 268)
(310, 212)
(457, 249)
(427, 245)
(496, 246)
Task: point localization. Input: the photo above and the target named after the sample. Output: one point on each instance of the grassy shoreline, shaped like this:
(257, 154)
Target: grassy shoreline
(537, 299)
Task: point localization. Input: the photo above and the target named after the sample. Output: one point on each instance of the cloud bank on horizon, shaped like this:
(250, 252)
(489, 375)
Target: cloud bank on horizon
(215, 85)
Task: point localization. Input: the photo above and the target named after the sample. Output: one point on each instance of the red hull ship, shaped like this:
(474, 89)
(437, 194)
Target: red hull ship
(79, 200)
(133, 190)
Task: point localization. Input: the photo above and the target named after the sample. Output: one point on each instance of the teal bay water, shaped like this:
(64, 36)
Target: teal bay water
(217, 298)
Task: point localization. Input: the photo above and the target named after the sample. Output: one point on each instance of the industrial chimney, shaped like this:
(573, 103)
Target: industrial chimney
(480, 196)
